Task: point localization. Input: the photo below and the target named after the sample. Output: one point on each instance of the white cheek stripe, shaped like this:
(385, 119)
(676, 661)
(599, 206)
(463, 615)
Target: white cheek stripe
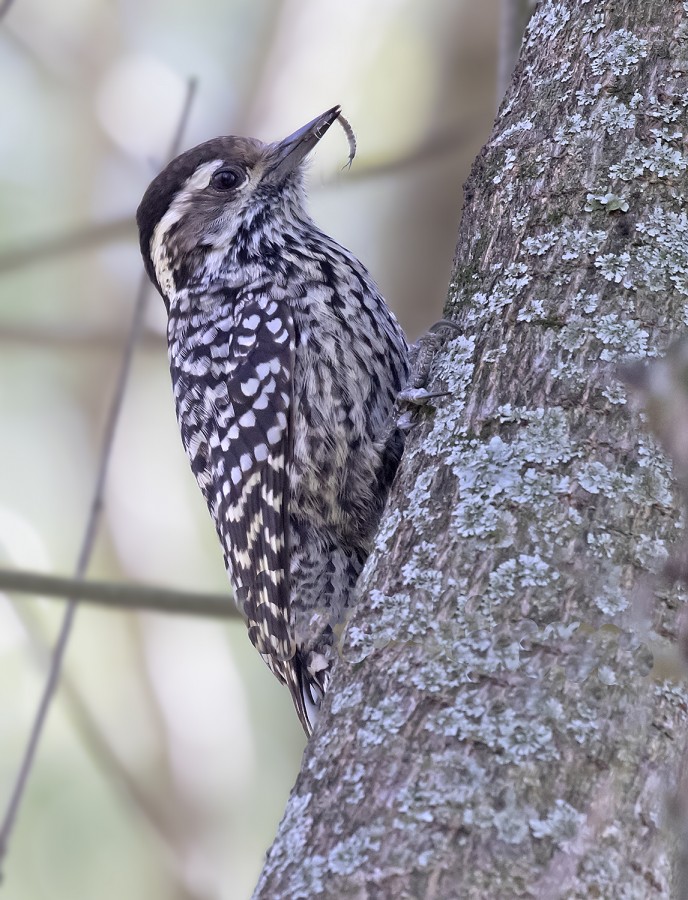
(161, 263)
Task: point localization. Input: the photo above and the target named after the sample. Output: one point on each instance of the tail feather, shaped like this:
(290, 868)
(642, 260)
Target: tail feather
(300, 689)
(307, 675)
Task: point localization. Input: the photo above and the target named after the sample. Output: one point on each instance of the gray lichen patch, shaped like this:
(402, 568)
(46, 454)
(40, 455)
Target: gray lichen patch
(617, 53)
(610, 202)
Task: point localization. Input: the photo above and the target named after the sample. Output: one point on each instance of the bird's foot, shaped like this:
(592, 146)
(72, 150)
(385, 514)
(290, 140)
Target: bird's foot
(416, 395)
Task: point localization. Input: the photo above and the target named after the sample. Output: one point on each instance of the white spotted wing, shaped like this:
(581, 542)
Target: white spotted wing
(255, 481)
(237, 434)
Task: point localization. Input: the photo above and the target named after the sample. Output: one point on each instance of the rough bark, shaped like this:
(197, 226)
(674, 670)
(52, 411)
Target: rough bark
(496, 726)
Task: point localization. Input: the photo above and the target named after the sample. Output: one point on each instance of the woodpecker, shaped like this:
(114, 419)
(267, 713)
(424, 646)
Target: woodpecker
(286, 364)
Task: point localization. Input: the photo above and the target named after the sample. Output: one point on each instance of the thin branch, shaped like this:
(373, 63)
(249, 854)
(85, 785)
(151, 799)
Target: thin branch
(101, 752)
(86, 237)
(82, 563)
(436, 145)
(88, 538)
(175, 144)
(257, 73)
(120, 596)
(5, 7)
(514, 18)
(509, 40)
(74, 336)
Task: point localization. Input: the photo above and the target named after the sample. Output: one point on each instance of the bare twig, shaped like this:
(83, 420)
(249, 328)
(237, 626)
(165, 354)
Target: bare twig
(120, 596)
(84, 237)
(257, 74)
(97, 744)
(75, 336)
(88, 538)
(514, 18)
(89, 236)
(436, 145)
(82, 562)
(509, 40)
(4, 7)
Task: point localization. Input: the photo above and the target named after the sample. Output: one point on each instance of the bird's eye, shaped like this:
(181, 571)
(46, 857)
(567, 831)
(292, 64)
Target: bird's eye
(227, 179)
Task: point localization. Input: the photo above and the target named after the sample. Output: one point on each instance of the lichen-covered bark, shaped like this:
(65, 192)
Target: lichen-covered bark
(496, 726)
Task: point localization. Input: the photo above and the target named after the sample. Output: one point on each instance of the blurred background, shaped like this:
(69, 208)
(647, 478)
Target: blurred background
(170, 750)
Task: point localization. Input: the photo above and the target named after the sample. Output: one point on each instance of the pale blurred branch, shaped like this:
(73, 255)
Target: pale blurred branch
(506, 58)
(4, 7)
(258, 74)
(660, 387)
(436, 145)
(104, 756)
(514, 15)
(87, 545)
(84, 237)
(119, 596)
(89, 536)
(87, 237)
(74, 336)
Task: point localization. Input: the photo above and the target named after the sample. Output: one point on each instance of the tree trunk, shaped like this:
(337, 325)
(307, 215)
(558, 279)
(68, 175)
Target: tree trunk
(496, 727)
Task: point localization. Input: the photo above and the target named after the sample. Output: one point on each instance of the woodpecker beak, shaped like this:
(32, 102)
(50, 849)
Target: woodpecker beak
(289, 153)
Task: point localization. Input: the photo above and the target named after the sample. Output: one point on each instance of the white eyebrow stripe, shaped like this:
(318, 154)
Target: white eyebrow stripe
(196, 182)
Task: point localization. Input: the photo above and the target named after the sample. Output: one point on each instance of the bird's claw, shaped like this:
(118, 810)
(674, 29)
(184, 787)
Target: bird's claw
(419, 396)
(444, 323)
(404, 422)
(416, 394)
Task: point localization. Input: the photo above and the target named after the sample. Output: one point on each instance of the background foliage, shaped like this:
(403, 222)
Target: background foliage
(178, 791)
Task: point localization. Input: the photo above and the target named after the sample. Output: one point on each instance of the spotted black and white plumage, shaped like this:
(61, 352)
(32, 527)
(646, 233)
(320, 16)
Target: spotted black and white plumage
(286, 364)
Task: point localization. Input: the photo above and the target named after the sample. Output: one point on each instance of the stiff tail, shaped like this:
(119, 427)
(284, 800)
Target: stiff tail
(307, 681)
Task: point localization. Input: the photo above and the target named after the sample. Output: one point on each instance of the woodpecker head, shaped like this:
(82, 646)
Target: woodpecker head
(216, 198)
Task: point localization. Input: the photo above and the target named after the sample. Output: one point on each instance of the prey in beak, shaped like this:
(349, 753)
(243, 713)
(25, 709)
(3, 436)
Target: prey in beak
(291, 151)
